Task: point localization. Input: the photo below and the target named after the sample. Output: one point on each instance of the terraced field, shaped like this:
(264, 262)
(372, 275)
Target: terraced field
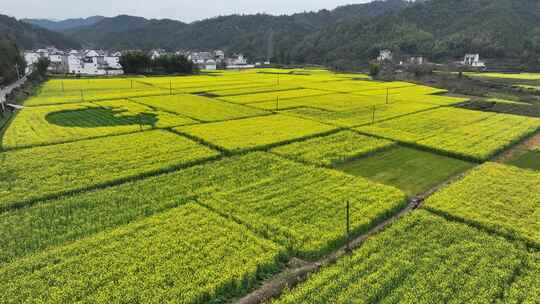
(199, 189)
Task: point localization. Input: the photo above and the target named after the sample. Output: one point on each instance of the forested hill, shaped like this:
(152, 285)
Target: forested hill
(10, 59)
(64, 24)
(257, 36)
(28, 36)
(438, 29)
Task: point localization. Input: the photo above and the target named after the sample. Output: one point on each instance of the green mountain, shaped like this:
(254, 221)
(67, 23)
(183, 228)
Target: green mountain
(438, 29)
(63, 25)
(258, 36)
(27, 36)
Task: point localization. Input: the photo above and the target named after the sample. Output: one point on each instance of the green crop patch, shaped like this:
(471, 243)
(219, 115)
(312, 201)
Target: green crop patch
(64, 123)
(302, 207)
(501, 198)
(189, 255)
(333, 149)
(257, 132)
(272, 96)
(420, 259)
(200, 108)
(470, 134)
(413, 171)
(527, 160)
(362, 115)
(39, 172)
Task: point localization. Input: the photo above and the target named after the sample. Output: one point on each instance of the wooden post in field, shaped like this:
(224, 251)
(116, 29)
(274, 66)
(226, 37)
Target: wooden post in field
(348, 249)
(132, 83)
(82, 95)
(387, 93)
(277, 103)
(373, 118)
(140, 122)
(170, 87)
(278, 79)
(63, 89)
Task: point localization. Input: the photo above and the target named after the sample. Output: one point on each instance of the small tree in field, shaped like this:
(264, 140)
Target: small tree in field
(374, 69)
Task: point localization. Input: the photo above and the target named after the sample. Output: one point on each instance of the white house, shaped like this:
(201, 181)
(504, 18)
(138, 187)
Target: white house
(473, 60)
(385, 55)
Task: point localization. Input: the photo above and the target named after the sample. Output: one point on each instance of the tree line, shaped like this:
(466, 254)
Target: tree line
(142, 63)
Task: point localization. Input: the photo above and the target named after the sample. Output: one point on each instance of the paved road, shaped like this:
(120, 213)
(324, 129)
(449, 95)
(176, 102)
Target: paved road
(6, 90)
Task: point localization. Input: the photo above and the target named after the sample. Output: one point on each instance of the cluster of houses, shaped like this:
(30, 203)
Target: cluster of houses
(78, 62)
(470, 60)
(105, 63)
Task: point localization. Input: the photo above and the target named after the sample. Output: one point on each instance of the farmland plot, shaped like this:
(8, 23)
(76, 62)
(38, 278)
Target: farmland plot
(272, 96)
(187, 255)
(63, 123)
(420, 259)
(86, 96)
(300, 206)
(303, 207)
(59, 86)
(501, 198)
(469, 134)
(88, 163)
(333, 149)
(331, 102)
(200, 108)
(257, 132)
(360, 116)
(349, 86)
(526, 288)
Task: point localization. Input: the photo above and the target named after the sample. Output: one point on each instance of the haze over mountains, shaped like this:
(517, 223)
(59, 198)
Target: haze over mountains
(437, 29)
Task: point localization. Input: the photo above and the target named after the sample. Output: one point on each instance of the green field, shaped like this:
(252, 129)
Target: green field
(201, 188)
(412, 171)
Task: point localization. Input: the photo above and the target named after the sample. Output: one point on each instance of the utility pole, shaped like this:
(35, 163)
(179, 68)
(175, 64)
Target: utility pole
(17, 70)
(348, 248)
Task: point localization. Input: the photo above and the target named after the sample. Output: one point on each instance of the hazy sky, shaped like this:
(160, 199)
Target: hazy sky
(175, 9)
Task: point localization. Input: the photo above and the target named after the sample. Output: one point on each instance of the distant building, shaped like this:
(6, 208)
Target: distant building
(473, 60)
(86, 62)
(385, 55)
(408, 59)
(156, 53)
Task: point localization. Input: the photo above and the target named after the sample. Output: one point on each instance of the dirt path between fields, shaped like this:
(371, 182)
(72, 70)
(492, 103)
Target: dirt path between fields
(530, 144)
